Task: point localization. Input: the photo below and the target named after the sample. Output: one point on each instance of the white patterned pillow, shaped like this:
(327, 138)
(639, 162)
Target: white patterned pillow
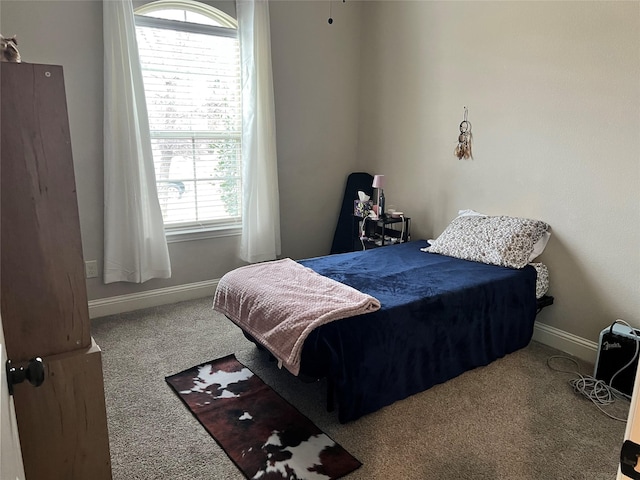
(542, 279)
(499, 240)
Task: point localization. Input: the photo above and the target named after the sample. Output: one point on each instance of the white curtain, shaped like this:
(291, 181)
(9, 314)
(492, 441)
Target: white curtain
(135, 247)
(260, 198)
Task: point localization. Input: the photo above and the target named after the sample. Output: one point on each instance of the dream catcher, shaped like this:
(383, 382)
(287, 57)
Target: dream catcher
(463, 150)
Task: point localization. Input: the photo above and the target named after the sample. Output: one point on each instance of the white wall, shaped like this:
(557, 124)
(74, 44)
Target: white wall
(315, 71)
(316, 79)
(553, 96)
(553, 91)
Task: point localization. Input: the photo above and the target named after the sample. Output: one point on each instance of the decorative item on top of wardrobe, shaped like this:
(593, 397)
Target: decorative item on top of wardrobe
(463, 150)
(9, 49)
(330, 21)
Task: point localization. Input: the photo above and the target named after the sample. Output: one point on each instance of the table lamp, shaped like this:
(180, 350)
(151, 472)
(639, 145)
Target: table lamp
(378, 183)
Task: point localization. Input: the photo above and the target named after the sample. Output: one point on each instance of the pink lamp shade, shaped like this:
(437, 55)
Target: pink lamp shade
(378, 181)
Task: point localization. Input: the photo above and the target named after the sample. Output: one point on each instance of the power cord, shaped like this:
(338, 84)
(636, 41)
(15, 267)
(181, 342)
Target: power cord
(598, 391)
(362, 233)
(635, 355)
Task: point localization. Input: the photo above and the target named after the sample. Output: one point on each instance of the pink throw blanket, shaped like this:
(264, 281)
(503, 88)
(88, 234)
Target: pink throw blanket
(280, 302)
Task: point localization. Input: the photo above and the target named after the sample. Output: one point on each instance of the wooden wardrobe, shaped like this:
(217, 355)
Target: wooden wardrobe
(62, 424)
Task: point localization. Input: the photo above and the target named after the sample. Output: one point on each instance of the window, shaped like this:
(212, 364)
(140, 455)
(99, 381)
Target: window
(190, 61)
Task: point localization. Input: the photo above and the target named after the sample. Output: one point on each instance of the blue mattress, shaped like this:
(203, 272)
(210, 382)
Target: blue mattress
(440, 317)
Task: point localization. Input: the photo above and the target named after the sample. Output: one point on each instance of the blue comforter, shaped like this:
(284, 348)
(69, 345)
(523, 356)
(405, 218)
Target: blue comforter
(440, 317)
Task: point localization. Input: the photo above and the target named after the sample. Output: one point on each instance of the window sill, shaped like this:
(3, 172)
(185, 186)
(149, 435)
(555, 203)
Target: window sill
(189, 234)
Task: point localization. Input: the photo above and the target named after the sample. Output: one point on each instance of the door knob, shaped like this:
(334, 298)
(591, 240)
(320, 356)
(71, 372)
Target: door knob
(34, 373)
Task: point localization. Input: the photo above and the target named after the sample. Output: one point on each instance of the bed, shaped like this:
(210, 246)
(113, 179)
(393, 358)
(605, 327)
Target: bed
(439, 316)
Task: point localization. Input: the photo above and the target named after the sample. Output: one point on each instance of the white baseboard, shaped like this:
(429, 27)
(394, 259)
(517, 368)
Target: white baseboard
(152, 298)
(567, 342)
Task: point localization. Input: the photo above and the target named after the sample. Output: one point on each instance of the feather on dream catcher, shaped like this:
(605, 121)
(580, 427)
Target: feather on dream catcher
(463, 150)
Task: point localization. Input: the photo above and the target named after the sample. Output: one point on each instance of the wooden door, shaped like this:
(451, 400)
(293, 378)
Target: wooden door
(62, 424)
(10, 455)
(632, 431)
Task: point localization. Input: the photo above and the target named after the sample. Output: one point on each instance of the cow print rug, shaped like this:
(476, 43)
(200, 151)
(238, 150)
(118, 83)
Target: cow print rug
(264, 435)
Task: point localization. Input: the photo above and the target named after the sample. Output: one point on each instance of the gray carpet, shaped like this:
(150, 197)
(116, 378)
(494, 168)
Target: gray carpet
(514, 419)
